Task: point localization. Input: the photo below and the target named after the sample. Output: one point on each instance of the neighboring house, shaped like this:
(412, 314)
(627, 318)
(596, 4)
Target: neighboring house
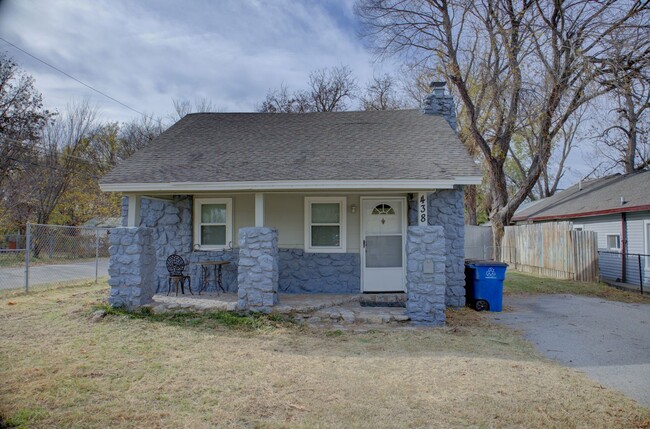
(617, 207)
(334, 199)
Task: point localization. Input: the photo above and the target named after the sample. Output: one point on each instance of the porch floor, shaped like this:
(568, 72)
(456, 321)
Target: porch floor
(315, 309)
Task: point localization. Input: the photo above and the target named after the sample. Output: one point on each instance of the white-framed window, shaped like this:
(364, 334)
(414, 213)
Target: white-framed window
(613, 242)
(577, 227)
(213, 223)
(325, 227)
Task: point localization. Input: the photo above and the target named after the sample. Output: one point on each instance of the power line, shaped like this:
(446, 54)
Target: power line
(73, 78)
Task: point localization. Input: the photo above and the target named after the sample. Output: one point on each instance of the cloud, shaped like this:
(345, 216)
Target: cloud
(146, 53)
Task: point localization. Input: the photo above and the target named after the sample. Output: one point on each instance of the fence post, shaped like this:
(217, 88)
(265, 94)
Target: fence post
(640, 274)
(96, 255)
(28, 250)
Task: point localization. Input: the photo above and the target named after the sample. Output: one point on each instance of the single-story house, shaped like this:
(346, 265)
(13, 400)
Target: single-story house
(617, 208)
(345, 202)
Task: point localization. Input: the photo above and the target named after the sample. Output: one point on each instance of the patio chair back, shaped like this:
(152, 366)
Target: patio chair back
(175, 265)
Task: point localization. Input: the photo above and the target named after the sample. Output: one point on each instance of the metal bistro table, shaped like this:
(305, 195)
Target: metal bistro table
(218, 282)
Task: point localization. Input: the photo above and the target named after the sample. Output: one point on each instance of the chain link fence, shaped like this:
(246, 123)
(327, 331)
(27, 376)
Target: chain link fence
(628, 270)
(53, 254)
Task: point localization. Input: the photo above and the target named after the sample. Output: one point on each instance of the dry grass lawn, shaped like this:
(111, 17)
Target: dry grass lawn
(58, 369)
(519, 283)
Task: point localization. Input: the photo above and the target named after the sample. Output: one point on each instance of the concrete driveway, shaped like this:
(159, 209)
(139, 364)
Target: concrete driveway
(11, 278)
(609, 341)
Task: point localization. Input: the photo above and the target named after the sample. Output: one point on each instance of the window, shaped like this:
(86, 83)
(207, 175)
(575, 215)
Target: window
(213, 223)
(578, 227)
(325, 224)
(614, 242)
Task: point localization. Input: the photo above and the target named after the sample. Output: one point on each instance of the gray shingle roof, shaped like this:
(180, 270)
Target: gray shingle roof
(232, 147)
(595, 196)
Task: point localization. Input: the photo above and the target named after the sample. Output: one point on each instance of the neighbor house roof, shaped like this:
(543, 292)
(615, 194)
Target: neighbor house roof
(594, 198)
(215, 151)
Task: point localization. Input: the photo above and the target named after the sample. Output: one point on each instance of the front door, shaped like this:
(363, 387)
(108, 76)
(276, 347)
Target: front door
(383, 227)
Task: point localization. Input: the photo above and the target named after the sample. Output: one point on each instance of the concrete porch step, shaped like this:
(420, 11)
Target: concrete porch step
(355, 314)
(383, 300)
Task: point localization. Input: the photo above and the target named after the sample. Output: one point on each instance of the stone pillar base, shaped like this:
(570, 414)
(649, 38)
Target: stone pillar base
(425, 275)
(131, 267)
(258, 269)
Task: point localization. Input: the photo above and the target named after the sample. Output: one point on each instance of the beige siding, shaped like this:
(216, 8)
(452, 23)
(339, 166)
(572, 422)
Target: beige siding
(286, 211)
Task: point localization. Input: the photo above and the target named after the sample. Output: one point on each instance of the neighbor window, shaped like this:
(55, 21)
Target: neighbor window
(325, 224)
(213, 223)
(614, 242)
(578, 227)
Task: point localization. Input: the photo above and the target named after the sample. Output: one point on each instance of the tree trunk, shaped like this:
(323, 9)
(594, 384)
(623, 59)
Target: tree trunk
(499, 213)
(471, 204)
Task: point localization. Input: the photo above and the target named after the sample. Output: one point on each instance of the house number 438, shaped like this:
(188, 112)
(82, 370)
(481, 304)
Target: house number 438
(422, 209)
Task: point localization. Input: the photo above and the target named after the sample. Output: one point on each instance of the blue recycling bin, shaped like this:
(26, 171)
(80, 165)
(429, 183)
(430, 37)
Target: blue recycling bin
(484, 284)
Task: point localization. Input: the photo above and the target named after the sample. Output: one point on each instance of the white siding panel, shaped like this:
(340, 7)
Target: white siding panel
(602, 225)
(635, 233)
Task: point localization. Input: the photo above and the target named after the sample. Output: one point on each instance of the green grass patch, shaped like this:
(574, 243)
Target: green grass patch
(24, 418)
(211, 319)
(528, 284)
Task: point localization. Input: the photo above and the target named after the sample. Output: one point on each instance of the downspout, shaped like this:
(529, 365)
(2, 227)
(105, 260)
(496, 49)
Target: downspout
(623, 246)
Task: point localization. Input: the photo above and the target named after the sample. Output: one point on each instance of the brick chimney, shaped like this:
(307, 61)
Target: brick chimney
(439, 103)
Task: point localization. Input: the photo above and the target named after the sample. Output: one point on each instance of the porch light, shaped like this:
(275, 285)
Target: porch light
(353, 208)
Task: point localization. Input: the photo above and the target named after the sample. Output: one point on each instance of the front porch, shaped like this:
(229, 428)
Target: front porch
(352, 244)
(303, 308)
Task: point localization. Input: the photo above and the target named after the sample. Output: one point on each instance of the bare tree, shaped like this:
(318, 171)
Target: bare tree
(626, 72)
(280, 101)
(331, 89)
(138, 133)
(382, 94)
(492, 52)
(184, 107)
(64, 144)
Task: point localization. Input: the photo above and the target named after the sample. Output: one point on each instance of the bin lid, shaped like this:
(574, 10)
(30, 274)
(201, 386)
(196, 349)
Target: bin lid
(479, 263)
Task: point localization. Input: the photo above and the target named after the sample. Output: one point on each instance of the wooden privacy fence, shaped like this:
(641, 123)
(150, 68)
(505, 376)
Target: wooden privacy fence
(478, 242)
(551, 249)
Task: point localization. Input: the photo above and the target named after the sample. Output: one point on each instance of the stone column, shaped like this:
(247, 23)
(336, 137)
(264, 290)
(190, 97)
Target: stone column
(258, 269)
(446, 208)
(132, 266)
(425, 275)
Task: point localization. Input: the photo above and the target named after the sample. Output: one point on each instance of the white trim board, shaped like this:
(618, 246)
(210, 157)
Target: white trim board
(398, 184)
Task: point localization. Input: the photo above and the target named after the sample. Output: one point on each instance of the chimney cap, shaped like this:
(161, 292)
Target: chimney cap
(437, 84)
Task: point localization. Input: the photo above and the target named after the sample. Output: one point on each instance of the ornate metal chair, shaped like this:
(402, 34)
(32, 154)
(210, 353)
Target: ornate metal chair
(176, 266)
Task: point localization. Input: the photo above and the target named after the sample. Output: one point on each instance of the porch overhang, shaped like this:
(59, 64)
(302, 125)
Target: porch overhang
(290, 185)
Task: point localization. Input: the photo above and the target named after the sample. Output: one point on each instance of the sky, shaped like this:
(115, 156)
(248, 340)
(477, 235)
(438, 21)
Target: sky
(147, 53)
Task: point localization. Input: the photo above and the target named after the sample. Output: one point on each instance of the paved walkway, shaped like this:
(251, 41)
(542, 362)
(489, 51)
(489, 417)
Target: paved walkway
(11, 278)
(609, 341)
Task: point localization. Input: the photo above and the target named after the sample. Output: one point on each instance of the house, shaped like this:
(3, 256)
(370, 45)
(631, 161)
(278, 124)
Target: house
(345, 202)
(617, 208)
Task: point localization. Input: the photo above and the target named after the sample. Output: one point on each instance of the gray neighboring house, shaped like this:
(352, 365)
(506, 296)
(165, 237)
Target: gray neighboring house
(346, 202)
(617, 208)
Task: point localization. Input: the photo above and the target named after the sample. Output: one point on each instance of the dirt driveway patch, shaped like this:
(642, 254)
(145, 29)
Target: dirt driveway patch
(610, 341)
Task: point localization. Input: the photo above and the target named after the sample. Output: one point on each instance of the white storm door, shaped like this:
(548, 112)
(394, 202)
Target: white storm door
(382, 254)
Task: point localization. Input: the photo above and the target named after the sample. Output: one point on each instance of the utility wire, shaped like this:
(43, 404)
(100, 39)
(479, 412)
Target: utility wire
(72, 77)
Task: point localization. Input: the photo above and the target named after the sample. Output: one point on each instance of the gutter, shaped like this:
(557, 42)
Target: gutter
(640, 208)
